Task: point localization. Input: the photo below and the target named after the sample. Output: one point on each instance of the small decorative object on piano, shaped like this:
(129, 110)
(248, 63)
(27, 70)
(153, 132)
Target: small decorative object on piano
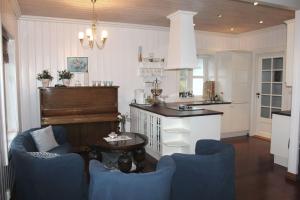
(65, 76)
(45, 77)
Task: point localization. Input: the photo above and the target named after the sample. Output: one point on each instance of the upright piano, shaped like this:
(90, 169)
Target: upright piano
(88, 113)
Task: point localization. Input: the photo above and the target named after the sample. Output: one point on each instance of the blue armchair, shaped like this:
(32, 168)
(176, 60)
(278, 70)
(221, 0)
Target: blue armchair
(57, 174)
(115, 185)
(208, 175)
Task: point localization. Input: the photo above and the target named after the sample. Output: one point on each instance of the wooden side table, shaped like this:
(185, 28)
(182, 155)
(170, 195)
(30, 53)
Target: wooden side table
(136, 146)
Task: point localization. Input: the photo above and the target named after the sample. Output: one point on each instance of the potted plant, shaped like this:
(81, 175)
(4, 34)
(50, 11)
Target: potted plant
(45, 77)
(65, 76)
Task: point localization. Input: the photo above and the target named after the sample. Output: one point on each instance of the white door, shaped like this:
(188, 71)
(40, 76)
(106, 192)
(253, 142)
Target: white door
(269, 91)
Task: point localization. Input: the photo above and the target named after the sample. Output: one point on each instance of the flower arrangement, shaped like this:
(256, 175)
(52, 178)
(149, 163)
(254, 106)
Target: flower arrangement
(64, 74)
(44, 75)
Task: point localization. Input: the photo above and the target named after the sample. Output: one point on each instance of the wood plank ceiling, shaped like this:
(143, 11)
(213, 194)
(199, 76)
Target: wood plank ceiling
(237, 16)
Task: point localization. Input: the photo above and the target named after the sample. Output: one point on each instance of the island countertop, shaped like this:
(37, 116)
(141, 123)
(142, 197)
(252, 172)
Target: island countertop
(167, 112)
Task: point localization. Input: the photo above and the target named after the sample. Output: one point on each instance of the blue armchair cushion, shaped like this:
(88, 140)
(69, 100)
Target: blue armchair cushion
(60, 177)
(208, 175)
(25, 142)
(115, 185)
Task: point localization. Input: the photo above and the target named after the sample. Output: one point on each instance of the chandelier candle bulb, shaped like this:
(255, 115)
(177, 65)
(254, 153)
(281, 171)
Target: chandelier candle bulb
(88, 32)
(81, 35)
(104, 34)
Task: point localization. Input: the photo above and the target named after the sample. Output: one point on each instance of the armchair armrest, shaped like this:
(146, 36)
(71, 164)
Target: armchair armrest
(60, 177)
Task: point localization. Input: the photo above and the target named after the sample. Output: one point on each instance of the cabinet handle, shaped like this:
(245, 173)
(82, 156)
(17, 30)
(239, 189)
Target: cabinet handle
(289, 144)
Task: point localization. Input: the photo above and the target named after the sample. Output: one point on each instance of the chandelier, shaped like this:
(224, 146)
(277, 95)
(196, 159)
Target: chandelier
(90, 39)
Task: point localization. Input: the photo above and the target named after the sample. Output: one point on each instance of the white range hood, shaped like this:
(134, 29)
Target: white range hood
(182, 46)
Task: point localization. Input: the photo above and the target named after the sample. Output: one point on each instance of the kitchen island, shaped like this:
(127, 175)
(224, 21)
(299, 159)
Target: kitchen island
(173, 130)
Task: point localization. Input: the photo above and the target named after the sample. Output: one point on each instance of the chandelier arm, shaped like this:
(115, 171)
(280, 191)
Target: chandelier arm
(101, 45)
(85, 45)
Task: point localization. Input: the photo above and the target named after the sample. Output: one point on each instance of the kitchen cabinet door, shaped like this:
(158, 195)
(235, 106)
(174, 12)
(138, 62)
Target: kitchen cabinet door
(240, 117)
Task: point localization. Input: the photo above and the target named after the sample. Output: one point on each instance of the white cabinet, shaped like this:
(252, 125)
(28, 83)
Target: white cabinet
(168, 135)
(235, 120)
(290, 52)
(234, 76)
(280, 139)
(240, 117)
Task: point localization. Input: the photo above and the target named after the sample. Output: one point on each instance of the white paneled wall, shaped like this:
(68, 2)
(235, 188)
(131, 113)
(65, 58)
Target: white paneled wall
(45, 43)
(264, 40)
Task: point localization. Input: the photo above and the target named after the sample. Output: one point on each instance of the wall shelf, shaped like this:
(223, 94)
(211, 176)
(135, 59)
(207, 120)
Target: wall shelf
(176, 144)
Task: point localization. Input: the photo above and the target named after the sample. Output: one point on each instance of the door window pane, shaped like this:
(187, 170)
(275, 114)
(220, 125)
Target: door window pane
(265, 100)
(278, 63)
(266, 64)
(266, 76)
(277, 88)
(277, 76)
(266, 88)
(265, 112)
(276, 101)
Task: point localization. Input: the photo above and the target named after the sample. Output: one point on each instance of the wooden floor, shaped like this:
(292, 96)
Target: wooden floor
(257, 178)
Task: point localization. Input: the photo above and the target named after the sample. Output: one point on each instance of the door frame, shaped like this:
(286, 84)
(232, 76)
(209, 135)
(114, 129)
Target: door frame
(257, 56)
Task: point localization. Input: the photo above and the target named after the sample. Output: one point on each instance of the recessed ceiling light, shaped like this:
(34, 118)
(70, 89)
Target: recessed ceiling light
(255, 3)
(220, 15)
(261, 21)
(231, 29)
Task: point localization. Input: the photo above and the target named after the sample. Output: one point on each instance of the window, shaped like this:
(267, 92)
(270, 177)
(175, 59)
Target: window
(193, 80)
(198, 78)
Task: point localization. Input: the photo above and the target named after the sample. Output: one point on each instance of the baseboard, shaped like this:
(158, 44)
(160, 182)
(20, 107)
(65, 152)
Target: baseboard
(292, 177)
(262, 138)
(234, 134)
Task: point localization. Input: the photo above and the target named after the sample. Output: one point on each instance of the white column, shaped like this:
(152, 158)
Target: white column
(295, 117)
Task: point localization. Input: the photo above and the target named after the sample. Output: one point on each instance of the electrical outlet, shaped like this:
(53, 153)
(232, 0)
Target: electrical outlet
(8, 195)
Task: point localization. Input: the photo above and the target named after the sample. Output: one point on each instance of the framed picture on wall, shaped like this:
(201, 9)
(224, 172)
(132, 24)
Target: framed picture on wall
(77, 64)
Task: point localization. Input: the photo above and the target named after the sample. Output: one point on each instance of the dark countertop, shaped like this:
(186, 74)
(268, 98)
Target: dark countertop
(167, 112)
(285, 113)
(204, 103)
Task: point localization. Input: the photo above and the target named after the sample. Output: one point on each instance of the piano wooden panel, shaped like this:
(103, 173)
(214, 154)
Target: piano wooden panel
(88, 113)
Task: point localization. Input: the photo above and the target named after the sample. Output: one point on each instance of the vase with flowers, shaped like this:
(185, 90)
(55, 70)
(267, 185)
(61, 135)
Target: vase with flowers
(45, 77)
(65, 76)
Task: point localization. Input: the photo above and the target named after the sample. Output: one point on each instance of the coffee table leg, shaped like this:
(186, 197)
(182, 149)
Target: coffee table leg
(139, 156)
(125, 163)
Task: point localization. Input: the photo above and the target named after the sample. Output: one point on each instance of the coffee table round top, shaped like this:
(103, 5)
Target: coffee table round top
(137, 141)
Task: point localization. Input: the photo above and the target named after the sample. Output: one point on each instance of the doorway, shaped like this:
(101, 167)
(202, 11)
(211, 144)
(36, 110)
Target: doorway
(270, 90)
(10, 82)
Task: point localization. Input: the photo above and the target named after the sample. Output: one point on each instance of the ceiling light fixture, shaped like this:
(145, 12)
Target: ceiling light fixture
(261, 21)
(255, 3)
(220, 15)
(231, 29)
(91, 34)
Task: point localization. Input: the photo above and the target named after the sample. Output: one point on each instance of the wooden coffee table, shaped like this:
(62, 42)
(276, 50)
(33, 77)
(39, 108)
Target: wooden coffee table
(135, 146)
